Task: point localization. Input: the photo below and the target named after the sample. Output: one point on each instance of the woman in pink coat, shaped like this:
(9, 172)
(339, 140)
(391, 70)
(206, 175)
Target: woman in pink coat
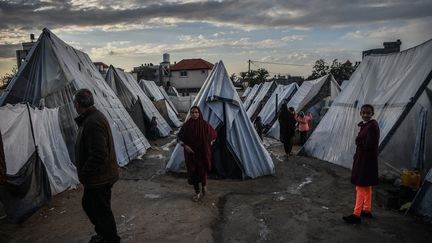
(303, 125)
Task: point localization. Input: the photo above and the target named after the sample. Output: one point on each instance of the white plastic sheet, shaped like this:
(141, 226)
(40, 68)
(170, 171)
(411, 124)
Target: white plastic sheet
(283, 93)
(128, 91)
(266, 90)
(306, 94)
(397, 85)
(217, 92)
(49, 77)
(18, 144)
(251, 96)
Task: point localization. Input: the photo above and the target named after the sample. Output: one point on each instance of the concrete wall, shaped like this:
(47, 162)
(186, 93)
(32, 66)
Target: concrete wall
(194, 79)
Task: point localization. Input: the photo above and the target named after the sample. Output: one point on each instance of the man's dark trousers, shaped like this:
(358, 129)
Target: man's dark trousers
(96, 203)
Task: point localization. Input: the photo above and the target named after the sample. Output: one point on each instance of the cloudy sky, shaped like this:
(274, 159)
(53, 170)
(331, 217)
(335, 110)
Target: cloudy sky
(131, 32)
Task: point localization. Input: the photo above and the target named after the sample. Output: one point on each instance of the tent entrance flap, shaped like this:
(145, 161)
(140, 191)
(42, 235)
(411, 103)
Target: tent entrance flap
(26, 191)
(136, 111)
(225, 163)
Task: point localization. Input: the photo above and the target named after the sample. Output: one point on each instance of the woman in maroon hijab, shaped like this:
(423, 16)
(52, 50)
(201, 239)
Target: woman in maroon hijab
(196, 136)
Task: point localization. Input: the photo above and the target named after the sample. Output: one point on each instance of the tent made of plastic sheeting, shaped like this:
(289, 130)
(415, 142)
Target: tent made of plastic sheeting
(261, 98)
(139, 106)
(161, 103)
(344, 84)
(37, 159)
(172, 91)
(280, 96)
(399, 87)
(313, 96)
(168, 98)
(246, 92)
(52, 72)
(237, 152)
(251, 96)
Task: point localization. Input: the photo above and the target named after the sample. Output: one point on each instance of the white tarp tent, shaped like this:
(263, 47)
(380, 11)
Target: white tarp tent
(135, 100)
(251, 96)
(162, 104)
(18, 143)
(312, 96)
(222, 108)
(52, 72)
(246, 92)
(283, 93)
(261, 98)
(399, 87)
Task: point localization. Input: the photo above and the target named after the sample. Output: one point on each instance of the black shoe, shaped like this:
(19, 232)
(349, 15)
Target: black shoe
(96, 239)
(367, 214)
(352, 219)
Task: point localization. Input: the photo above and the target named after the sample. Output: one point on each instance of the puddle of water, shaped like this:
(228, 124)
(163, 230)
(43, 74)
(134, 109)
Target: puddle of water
(152, 196)
(293, 189)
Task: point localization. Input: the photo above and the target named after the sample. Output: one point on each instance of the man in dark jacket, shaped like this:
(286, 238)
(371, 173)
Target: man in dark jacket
(97, 167)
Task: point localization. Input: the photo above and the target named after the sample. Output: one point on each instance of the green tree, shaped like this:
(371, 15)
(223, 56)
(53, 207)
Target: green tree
(319, 69)
(342, 71)
(5, 80)
(262, 75)
(243, 76)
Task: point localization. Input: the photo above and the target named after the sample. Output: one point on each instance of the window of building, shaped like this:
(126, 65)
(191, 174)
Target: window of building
(183, 73)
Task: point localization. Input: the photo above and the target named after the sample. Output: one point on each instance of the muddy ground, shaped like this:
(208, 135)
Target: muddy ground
(304, 202)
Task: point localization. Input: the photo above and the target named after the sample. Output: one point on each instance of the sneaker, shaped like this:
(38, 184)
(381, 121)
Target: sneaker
(367, 214)
(352, 219)
(96, 239)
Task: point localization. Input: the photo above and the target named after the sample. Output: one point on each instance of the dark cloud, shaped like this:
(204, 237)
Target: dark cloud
(8, 51)
(276, 13)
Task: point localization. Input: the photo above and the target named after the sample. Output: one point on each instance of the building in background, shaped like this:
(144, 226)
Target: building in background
(389, 47)
(21, 54)
(188, 75)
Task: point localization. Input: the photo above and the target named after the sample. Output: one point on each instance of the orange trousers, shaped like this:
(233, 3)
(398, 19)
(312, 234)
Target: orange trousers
(363, 199)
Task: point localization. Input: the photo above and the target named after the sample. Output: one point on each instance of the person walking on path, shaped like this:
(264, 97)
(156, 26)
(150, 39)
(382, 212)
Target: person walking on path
(364, 172)
(287, 123)
(303, 126)
(96, 165)
(196, 136)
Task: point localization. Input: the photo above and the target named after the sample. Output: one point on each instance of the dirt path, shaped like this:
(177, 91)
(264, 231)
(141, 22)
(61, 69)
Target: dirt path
(303, 203)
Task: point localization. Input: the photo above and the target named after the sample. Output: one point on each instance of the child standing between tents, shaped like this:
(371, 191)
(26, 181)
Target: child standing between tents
(364, 173)
(303, 125)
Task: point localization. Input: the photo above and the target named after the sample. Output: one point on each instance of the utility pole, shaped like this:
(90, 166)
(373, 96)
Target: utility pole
(249, 74)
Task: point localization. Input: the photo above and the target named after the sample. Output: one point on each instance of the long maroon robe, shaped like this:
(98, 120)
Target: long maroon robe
(365, 165)
(197, 134)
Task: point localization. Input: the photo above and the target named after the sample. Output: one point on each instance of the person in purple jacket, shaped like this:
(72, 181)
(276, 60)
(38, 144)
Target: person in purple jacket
(364, 172)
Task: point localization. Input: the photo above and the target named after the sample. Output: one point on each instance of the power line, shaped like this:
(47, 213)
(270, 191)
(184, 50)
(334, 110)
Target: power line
(279, 63)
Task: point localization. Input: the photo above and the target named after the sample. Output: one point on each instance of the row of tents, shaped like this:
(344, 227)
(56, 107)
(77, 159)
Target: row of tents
(266, 99)
(398, 85)
(38, 158)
